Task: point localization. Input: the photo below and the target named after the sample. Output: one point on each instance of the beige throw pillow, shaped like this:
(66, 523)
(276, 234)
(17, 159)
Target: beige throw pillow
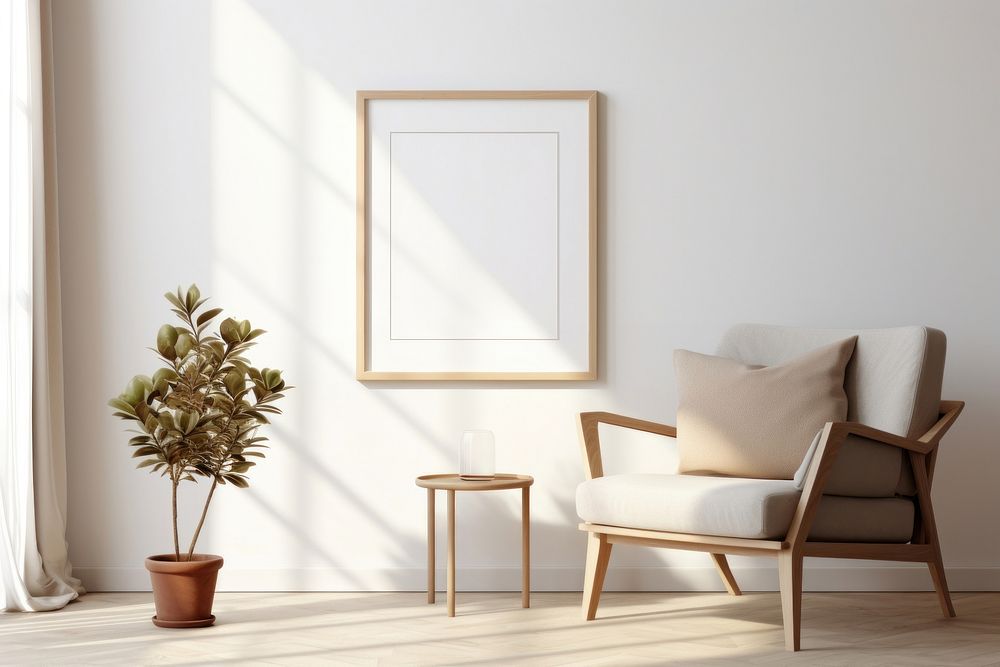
(756, 421)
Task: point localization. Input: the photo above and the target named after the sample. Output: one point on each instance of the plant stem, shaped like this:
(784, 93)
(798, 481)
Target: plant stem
(173, 503)
(201, 522)
(215, 481)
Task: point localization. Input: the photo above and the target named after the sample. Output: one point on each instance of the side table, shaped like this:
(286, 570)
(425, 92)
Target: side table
(452, 483)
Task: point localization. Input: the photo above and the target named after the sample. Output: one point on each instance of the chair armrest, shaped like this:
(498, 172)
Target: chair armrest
(844, 429)
(591, 440)
(834, 435)
(947, 414)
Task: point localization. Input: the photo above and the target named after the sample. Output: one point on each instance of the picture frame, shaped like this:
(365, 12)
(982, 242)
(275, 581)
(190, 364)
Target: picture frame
(477, 235)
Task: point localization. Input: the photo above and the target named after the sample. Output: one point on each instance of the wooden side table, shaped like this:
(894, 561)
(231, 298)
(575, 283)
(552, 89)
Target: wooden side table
(452, 483)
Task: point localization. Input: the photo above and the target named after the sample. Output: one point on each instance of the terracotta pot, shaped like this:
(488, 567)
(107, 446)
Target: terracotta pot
(183, 591)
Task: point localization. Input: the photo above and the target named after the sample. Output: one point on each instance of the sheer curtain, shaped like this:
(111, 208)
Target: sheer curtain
(35, 573)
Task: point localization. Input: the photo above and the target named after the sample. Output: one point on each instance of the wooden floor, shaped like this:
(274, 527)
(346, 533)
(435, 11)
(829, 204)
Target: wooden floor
(492, 629)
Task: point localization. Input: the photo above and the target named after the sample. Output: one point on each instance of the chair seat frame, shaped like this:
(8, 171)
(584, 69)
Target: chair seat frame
(923, 547)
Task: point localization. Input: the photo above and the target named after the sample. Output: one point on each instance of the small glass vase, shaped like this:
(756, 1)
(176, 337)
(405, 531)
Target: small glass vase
(478, 456)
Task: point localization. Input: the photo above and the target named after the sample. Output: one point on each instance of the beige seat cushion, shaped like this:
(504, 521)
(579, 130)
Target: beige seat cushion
(730, 506)
(756, 421)
(735, 507)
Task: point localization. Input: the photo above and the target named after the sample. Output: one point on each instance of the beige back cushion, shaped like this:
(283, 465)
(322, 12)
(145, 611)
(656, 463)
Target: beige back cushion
(893, 383)
(756, 421)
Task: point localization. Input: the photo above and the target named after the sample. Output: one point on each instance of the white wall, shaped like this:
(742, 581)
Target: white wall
(827, 164)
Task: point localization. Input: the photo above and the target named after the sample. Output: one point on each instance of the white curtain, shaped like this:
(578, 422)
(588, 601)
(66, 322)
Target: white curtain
(35, 573)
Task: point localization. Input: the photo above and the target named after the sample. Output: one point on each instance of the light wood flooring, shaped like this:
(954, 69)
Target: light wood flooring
(492, 629)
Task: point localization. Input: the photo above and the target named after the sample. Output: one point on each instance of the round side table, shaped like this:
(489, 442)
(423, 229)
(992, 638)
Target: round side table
(452, 483)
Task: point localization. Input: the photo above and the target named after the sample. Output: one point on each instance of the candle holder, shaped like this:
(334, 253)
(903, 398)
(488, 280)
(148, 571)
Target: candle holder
(478, 455)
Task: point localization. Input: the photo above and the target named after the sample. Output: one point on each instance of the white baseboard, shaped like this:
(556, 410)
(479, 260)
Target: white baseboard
(680, 579)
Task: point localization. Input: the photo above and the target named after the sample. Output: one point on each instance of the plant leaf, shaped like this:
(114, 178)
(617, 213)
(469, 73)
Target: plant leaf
(119, 404)
(208, 315)
(145, 451)
(237, 481)
(193, 294)
(172, 298)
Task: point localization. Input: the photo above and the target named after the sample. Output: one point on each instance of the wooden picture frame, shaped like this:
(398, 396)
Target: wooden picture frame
(477, 235)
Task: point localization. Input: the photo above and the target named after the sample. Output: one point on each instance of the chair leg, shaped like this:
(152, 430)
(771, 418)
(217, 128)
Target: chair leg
(790, 582)
(598, 556)
(722, 565)
(930, 534)
(941, 586)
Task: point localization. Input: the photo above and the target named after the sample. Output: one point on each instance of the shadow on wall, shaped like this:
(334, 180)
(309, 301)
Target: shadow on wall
(280, 202)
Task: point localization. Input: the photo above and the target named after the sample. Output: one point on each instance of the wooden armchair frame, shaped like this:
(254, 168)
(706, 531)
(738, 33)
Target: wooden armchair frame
(923, 547)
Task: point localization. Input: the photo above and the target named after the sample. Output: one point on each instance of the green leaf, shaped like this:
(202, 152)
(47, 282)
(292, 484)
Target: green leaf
(137, 390)
(229, 330)
(208, 315)
(185, 421)
(235, 382)
(166, 337)
(237, 481)
(172, 298)
(258, 416)
(272, 377)
(145, 451)
(185, 343)
(119, 404)
(193, 294)
(167, 421)
(161, 374)
(160, 389)
(218, 349)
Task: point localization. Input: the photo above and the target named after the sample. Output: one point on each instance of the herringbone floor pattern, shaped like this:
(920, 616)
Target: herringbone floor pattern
(492, 629)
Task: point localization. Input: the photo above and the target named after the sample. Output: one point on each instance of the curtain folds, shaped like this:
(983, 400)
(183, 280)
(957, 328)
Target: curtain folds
(35, 572)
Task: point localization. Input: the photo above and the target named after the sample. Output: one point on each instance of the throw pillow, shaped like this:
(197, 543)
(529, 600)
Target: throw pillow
(756, 421)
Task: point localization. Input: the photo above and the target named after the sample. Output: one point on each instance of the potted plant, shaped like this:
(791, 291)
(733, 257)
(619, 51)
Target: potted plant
(197, 417)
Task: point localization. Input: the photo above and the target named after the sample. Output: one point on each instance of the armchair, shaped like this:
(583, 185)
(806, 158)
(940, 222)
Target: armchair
(865, 492)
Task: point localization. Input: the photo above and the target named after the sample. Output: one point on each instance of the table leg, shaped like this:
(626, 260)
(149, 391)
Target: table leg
(430, 546)
(451, 552)
(525, 548)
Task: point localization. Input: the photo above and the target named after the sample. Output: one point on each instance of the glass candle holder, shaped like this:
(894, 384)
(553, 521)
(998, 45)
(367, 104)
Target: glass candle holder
(478, 456)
